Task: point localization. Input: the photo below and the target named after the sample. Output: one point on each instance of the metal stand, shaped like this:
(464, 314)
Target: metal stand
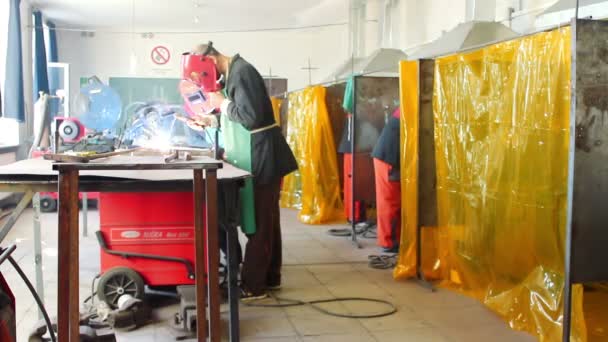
(38, 251)
(352, 171)
(85, 214)
(233, 286)
(420, 278)
(8, 225)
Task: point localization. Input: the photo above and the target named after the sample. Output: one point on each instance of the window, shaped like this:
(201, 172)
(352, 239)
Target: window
(9, 128)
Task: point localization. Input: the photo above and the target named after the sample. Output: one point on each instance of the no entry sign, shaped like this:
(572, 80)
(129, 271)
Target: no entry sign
(160, 55)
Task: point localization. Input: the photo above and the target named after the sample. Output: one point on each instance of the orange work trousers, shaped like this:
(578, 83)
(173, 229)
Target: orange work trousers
(388, 206)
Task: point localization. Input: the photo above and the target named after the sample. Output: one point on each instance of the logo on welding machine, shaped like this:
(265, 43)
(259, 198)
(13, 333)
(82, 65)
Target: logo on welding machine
(130, 234)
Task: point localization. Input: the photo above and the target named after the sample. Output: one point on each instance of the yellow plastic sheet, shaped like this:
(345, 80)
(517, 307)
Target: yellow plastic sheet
(408, 84)
(410, 111)
(501, 136)
(315, 187)
(276, 109)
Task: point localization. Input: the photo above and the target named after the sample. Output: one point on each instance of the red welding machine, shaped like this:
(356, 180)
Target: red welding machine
(145, 239)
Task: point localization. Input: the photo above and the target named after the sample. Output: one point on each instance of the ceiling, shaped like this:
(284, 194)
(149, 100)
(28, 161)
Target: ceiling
(563, 5)
(192, 15)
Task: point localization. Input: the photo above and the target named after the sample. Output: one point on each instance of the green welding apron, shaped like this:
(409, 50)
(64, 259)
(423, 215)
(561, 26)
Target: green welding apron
(237, 144)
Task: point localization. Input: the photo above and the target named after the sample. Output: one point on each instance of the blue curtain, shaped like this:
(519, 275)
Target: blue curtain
(14, 103)
(52, 57)
(52, 53)
(41, 78)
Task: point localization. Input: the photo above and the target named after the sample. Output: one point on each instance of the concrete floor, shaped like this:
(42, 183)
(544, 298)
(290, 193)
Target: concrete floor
(316, 266)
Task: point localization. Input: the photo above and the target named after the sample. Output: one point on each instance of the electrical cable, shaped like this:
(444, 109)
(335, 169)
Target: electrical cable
(366, 230)
(288, 302)
(382, 262)
(29, 285)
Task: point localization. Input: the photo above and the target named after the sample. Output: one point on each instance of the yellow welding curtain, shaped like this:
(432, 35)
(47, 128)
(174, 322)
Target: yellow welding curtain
(315, 187)
(501, 136)
(276, 109)
(410, 111)
(408, 84)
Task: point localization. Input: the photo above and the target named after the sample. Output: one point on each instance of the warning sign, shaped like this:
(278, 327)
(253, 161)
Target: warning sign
(160, 55)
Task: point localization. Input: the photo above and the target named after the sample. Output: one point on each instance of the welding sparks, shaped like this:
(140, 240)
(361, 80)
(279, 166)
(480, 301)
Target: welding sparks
(160, 142)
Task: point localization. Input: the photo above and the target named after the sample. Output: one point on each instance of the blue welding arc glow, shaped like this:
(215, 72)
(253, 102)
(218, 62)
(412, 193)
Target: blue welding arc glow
(98, 106)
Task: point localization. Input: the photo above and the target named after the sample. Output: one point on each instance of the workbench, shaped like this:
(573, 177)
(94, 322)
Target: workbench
(134, 174)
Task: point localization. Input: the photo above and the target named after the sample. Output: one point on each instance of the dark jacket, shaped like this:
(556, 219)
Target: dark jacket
(251, 107)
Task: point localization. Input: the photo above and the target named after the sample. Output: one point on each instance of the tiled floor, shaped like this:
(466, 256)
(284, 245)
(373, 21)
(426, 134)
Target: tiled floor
(316, 266)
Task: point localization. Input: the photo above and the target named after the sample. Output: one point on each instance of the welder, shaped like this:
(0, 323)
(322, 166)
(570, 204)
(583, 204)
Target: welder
(388, 185)
(252, 141)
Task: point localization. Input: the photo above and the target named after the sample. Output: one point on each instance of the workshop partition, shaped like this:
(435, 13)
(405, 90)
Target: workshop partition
(500, 128)
(314, 188)
(334, 96)
(334, 99)
(418, 194)
(375, 100)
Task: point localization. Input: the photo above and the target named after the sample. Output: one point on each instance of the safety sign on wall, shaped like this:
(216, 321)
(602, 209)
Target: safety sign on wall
(160, 55)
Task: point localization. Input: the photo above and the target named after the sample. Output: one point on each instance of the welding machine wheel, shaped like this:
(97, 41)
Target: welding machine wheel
(48, 204)
(118, 281)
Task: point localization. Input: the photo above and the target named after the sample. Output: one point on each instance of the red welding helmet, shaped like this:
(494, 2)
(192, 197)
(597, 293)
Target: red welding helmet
(200, 70)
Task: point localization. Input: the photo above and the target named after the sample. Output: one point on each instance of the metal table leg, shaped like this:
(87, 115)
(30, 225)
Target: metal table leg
(68, 266)
(85, 214)
(213, 255)
(38, 251)
(232, 237)
(199, 245)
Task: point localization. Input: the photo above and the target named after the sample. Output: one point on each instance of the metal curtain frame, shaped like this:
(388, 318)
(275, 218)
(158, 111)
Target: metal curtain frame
(426, 129)
(567, 321)
(353, 145)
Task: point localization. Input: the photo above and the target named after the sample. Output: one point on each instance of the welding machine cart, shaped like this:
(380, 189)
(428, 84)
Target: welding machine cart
(145, 239)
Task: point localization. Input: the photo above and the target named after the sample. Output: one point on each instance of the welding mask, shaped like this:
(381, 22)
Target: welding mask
(201, 70)
(195, 99)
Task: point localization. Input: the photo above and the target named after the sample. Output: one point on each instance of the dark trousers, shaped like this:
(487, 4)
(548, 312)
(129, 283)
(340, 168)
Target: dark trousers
(228, 216)
(263, 253)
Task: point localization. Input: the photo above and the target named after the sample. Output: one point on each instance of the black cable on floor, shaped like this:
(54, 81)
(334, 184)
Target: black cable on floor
(288, 302)
(366, 230)
(36, 297)
(382, 262)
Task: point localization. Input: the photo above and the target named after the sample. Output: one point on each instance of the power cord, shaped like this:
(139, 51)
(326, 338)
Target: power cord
(288, 302)
(30, 287)
(367, 230)
(382, 262)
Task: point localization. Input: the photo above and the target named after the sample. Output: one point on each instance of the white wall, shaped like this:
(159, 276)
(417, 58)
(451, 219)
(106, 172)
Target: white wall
(108, 54)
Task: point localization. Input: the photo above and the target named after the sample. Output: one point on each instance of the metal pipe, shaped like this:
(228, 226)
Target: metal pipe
(10, 222)
(85, 214)
(353, 163)
(38, 250)
(104, 247)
